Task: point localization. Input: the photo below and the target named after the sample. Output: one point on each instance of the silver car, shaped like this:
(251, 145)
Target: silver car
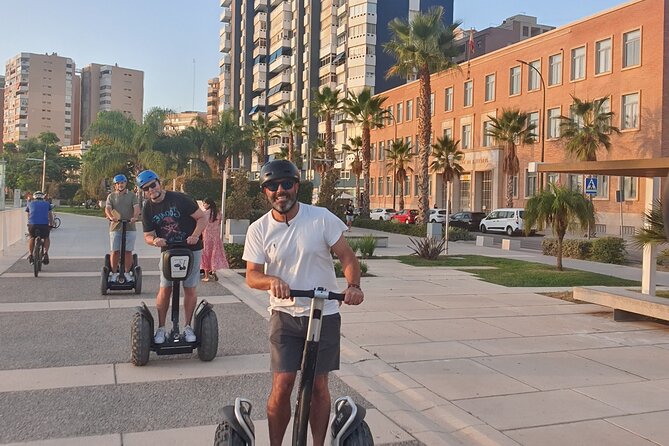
(382, 213)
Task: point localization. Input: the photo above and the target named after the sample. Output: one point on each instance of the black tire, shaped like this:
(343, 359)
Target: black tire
(226, 436)
(56, 223)
(138, 279)
(208, 337)
(135, 262)
(104, 280)
(108, 261)
(509, 231)
(140, 340)
(483, 229)
(37, 256)
(361, 436)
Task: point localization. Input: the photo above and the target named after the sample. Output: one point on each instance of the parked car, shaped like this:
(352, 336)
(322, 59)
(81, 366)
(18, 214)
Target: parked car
(406, 216)
(382, 214)
(509, 220)
(470, 221)
(436, 215)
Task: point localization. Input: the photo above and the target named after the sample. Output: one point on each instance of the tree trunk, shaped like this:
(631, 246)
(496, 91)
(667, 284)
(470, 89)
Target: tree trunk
(424, 132)
(401, 192)
(366, 156)
(290, 146)
(330, 175)
(559, 252)
(509, 190)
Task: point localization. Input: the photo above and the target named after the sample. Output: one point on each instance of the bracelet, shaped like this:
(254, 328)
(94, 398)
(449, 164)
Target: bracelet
(354, 285)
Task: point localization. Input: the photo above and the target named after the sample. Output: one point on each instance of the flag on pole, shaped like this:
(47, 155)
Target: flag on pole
(470, 50)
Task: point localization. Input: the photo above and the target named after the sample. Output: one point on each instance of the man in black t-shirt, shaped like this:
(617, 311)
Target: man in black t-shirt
(172, 217)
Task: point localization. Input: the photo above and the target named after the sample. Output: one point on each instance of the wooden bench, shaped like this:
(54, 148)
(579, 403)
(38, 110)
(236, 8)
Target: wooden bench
(627, 305)
(510, 245)
(381, 240)
(484, 240)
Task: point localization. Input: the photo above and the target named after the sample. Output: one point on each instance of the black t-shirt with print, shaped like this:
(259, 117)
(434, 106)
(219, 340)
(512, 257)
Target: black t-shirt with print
(171, 218)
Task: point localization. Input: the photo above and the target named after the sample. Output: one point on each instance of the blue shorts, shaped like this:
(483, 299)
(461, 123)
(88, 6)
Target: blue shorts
(115, 240)
(192, 279)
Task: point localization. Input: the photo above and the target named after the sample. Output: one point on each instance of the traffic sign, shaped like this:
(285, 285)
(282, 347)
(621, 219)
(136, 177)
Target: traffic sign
(591, 185)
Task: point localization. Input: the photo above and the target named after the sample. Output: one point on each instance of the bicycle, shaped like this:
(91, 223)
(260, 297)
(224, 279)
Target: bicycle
(56, 222)
(38, 253)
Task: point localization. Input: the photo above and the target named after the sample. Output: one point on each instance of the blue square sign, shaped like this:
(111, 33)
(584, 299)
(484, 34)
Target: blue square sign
(591, 185)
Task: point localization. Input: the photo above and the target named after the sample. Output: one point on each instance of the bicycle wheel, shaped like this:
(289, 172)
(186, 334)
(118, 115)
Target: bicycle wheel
(56, 223)
(37, 256)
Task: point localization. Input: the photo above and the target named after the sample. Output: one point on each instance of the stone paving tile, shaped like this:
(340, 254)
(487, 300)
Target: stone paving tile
(414, 422)
(646, 396)
(652, 426)
(458, 301)
(456, 329)
(462, 378)
(512, 298)
(537, 344)
(536, 409)
(483, 435)
(437, 439)
(540, 310)
(97, 440)
(397, 304)
(459, 313)
(596, 432)
(357, 317)
(554, 324)
(556, 370)
(451, 417)
(380, 333)
(423, 351)
(639, 337)
(646, 361)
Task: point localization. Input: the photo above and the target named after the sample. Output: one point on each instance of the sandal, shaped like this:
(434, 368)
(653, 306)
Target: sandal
(205, 278)
(213, 276)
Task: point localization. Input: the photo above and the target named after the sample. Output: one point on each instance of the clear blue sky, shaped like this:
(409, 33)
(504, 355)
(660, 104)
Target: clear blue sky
(163, 37)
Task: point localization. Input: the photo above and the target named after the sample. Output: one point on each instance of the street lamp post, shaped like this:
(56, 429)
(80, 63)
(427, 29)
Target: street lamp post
(448, 205)
(543, 118)
(43, 160)
(394, 170)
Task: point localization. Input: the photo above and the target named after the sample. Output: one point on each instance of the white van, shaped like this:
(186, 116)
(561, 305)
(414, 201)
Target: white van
(509, 220)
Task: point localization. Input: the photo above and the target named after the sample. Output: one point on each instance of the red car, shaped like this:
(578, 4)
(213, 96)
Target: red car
(407, 217)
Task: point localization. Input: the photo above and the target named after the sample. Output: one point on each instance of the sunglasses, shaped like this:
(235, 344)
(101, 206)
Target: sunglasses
(150, 186)
(285, 185)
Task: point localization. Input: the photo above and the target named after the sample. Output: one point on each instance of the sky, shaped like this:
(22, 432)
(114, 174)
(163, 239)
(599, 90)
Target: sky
(175, 42)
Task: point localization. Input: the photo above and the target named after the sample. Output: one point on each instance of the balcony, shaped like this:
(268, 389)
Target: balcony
(224, 44)
(226, 15)
(259, 51)
(259, 83)
(259, 101)
(273, 3)
(225, 3)
(281, 78)
(259, 69)
(259, 18)
(260, 5)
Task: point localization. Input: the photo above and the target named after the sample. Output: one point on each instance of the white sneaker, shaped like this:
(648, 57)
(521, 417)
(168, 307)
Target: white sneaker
(189, 334)
(159, 337)
(128, 277)
(113, 277)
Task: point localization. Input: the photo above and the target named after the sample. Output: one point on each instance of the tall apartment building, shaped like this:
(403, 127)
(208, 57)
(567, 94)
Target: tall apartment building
(611, 55)
(284, 50)
(213, 86)
(41, 95)
(2, 108)
(110, 87)
(178, 122)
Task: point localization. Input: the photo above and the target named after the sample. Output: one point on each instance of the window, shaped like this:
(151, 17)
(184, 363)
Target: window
(553, 178)
(380, 185)
(381, 150)
(533, 118)
(514, 81)
(372, 188)
(632, 48)
(578, 63)
(415, 185)
(400, 112)
(468, 94)
(530, 184)
(448, 94)
(603, 56)
(432, 104)
(448, 132)
(409, 116)
(465, 183)
(490, 88)
(553, 123)
(487, 139)
(555, 69)
(514, 182)
(466, 136)
(407, 185)
(389, 186)
(602, 186)
(372, 152)
(629, 188)
(575, 182)
(533, 80)
(630, 109)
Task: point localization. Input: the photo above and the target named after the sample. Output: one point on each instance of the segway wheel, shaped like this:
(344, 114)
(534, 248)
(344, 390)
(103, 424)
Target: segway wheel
(135, 262)
(140, 340)
(227, 436)
(104, 280)
(208, 337)
(361, 436)
(138, 279)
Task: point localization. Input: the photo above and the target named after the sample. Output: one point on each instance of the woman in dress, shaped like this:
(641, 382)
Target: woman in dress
(213, 255)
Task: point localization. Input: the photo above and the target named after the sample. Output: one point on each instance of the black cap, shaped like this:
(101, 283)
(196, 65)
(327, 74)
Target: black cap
(278, 170)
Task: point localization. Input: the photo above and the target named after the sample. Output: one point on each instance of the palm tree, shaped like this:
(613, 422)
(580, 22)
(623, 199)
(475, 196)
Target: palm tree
(293, 125)
(355, 145)
(654, 231)
(228, 139)
(446, 159)
(422, 46)
(261, 130)
(399, 155)
(558, 207)
(325, 105)
(368, 112)
(511, 128)
(588, 129)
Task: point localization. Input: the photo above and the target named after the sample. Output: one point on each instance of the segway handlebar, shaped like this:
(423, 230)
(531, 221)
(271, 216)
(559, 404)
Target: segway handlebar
(317, 293)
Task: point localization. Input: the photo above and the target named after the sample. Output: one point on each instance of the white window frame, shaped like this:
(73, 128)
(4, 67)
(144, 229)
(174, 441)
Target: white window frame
(533, 80)
(603, 56)
(468, 96)
(578, 63)
(636, 46)
(634, 107)
(515, 79)
(530, 184)
(448, 99)
(466, 135)
(555, 69)
(631, 185)
(553, 123)
(486, 140)
(490, 87)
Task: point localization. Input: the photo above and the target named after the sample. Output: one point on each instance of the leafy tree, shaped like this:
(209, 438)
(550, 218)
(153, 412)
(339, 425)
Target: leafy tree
(227, 139)
(511, 129)
(444, 148)
(588, 129)
(367, 111)
(325, 105)
(560, 208)
(292, 124)
(355, 145)
(653, 231)
(399, 155)
(261, 130)
(238, 204)
(422, 46)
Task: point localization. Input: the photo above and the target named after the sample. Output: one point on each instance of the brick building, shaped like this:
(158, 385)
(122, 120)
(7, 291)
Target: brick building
(611, 54)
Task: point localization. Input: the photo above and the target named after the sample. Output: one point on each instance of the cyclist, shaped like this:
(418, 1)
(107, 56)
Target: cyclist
(289, 247)
(121, 205)
(172, 217)
(40, 218)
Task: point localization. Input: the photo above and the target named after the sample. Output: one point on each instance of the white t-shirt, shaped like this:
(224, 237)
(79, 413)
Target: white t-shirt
(298, 254)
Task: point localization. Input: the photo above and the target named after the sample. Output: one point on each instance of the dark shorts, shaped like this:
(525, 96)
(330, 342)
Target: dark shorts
(43, 230)
(286, 337)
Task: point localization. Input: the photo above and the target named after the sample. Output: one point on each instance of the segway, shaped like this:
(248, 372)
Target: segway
(177, 263)
(348, 426)
(121, 283)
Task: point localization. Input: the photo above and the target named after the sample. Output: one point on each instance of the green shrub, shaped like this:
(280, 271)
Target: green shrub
(234, 251)
(572, 248)
(387, 226)
(663, 257)
(609, 250)
(340, 272)
(455, 234)
(429, 248)
(201, 188)
(354, 244)
(366, 246)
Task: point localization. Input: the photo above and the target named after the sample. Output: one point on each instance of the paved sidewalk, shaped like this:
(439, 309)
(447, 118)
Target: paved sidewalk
(446, 359)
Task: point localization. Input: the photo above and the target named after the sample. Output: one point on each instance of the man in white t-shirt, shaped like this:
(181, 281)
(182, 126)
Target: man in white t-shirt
(289, 248)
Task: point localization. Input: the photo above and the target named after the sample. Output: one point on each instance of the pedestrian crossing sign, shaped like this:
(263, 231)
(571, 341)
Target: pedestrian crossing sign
(591, 185)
